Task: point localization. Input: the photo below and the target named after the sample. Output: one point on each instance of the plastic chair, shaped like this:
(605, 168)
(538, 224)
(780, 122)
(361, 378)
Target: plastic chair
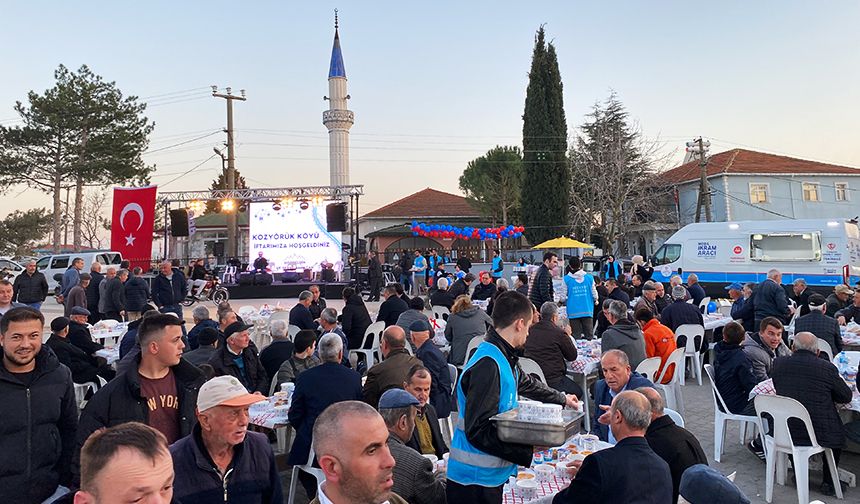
(441, 312)
(472, 346)
(649, 367)
(370, 343)
(532, 368)
(695, 335)
(670, 390)
(675, 416)
(778, 446)
(824, 347)
(722, 416)
(308, 468)
(703, 304)
(81, 390)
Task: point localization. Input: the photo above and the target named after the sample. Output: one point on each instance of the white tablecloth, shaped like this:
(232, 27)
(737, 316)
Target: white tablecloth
(715, 320)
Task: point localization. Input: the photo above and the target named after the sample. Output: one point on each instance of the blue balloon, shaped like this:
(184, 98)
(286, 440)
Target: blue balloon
(414, 223)
(414, 233)
(712, 307)
(517, 234)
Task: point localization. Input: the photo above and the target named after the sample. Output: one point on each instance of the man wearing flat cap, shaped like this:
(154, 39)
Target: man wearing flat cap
(238, 358)
(221, 461)
(79, 333)
(414, 478)
(440, 386)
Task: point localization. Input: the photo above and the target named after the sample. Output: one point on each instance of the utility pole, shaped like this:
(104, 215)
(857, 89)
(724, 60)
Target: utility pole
(699, 147)
(232, 220)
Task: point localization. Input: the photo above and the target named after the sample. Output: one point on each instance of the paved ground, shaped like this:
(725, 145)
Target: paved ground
(699, 418)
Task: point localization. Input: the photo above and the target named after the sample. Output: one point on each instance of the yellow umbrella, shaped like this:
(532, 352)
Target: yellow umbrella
(563, 242)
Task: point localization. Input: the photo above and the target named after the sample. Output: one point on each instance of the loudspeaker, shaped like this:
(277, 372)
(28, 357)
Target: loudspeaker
(246, 279)
(290, 276)
(335, 217)
(179, 222)
(328, 275)
(263, 279)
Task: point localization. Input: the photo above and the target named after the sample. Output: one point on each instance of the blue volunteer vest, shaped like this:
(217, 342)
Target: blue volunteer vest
(497, 261)
(468, 465)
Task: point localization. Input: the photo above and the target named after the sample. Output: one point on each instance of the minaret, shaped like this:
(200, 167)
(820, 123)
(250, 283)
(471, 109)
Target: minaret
(337, 118)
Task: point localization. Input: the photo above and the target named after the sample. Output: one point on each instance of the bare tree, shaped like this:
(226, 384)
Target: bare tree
(614, 185)
(94, 223)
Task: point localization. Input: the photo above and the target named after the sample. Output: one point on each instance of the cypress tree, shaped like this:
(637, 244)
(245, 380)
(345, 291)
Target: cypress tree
(546, 184)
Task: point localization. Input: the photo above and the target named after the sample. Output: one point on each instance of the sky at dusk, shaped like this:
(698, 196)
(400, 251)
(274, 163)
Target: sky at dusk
(436, 84)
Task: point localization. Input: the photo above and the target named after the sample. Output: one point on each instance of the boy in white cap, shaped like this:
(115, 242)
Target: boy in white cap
(221, 461)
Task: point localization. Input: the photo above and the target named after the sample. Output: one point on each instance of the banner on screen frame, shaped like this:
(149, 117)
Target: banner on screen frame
(292, 238)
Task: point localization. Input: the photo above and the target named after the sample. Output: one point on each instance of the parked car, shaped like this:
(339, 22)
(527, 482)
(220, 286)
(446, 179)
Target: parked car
(10, 269)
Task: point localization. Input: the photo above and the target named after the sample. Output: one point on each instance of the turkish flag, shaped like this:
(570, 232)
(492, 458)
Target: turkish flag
(132, 222)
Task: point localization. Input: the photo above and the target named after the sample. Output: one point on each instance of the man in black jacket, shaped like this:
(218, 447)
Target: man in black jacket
(115, 294)
(801, 295)
(85, 368)
(160, 390)
(300, 314)
(318, 303)
(461, 286)
(39, 412)
(615, 292)
(486, 289)
(479, 396)
(680, 312)
(672, 443)
(136, 294)
(542, 290)
(629, 468)
(238, 348)
(30, 287)
(816, 384)
(819, 324)
(770, 299)
(850, 313)
(392, 307)
(169, 290)
(79, 333)
(374, 276)
(96, 278)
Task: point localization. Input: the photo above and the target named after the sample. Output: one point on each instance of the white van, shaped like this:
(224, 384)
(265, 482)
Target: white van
(52, 265)
(824, 252)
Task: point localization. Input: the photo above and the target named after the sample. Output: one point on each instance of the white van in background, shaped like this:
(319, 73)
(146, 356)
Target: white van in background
(53, 265)
(824, 252)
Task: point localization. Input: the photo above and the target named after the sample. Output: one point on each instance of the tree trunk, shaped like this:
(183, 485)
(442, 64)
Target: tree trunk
(79, 203)
(58, 210)
(504, 215)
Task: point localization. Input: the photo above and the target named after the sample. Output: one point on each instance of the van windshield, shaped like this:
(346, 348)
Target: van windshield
(668, 253)
(784, 247)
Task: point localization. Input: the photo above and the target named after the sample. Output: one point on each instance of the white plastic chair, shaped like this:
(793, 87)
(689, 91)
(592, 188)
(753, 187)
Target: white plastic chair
(778, 446)
(370, 343)
(824, 347)
(292, 331)
(675, 416)
(472, 346)
(670, 390)
(703, 305)
(308, 468)
(531, 367)
(721, 417)
(692, 332)
(81, 390)
(649, 367)
(441, 312)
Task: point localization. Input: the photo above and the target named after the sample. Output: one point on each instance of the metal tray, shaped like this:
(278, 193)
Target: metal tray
(511, 429)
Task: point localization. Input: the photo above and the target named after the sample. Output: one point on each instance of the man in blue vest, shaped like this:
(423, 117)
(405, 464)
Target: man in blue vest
(498, 266)
(480, 464)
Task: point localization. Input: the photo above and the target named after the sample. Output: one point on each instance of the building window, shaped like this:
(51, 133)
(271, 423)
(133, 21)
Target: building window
(841, 191)
(758, 193)
(810, 192)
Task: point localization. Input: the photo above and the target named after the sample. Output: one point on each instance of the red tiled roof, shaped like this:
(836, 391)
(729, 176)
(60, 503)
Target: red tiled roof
(742, 161)
(426, 203)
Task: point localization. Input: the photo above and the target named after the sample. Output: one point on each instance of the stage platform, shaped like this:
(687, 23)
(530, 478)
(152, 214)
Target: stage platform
(278, 290)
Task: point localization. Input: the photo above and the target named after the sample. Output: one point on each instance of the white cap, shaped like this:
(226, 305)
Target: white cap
(225, 391)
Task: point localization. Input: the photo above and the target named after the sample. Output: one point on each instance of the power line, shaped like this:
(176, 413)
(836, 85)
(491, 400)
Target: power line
(183, 143)
(739, 200)
(188, 171)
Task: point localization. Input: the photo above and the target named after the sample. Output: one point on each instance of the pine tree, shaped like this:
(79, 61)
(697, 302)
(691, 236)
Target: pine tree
(546, 184)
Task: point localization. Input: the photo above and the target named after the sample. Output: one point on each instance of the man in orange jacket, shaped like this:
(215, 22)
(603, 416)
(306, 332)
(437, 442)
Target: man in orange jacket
(659, 340)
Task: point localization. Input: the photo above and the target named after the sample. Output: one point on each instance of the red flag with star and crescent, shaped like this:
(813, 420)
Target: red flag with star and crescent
(132, 223)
